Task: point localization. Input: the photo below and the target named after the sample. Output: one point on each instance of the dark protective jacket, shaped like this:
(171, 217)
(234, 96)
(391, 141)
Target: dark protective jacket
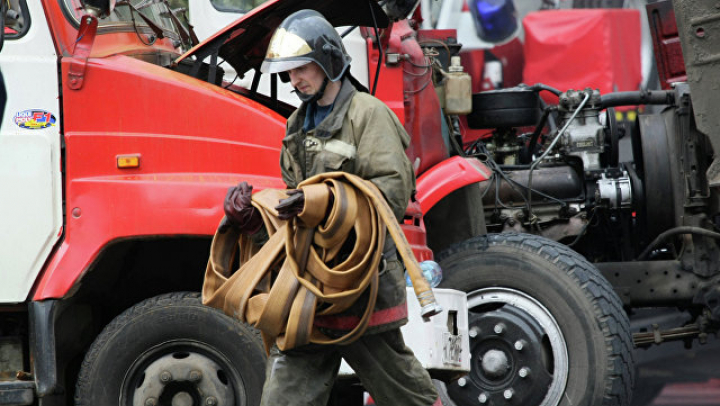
(362, 136)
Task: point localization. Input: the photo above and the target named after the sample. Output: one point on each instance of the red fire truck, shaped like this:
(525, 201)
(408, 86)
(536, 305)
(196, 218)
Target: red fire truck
(119, 140)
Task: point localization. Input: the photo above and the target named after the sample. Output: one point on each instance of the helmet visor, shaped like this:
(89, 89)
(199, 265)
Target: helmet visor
(282, 65)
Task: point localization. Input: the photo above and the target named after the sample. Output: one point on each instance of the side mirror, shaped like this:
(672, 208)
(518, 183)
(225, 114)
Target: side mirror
(98, 8)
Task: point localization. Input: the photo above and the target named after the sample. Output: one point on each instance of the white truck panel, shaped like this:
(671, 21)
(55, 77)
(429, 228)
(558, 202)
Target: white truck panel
(433, 342)
(30, 178)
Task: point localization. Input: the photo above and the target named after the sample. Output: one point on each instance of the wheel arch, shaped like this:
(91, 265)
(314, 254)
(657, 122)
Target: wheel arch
(451, 202)
(444, 178)
(125, 272)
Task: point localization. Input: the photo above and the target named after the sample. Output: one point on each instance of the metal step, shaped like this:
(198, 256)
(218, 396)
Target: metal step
(17, 392)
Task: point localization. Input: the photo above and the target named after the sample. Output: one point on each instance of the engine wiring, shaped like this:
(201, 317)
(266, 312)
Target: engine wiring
(428, 70)
(427, 67)
(531, 217)
(497, 175)
(479, 149)
(584, 228)
(437, 42)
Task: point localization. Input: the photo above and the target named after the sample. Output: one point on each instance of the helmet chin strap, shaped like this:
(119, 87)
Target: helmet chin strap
(310, 98)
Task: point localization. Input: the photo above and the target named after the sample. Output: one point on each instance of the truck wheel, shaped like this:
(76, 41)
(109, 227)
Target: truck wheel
(173, 350)
(545, 327)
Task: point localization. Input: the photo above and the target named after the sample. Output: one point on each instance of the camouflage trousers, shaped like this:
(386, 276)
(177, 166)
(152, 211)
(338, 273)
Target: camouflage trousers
(386, 367)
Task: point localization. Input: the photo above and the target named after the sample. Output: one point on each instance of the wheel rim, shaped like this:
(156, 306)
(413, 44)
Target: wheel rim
(518, 352)
(182, 373)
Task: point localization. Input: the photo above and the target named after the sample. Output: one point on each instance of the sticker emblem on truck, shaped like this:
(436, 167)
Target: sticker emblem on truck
(34, 119)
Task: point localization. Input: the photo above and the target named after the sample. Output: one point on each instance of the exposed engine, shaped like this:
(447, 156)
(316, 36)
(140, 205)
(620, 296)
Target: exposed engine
(569, 157)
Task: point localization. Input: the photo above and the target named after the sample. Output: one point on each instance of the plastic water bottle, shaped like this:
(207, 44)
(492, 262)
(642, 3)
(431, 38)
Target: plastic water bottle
(432, 272)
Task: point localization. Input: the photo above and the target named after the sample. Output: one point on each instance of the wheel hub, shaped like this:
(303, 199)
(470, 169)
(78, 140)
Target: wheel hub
(183, 379)
(518, 351)
(495, 364)
(182, 399)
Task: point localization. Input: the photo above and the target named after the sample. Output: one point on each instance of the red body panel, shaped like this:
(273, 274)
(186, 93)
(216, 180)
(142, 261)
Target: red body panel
(195, 140)
(448, 176)
(575, 49)
(474, 63)
(510, 56)
(414, 230)
(190, 151)
(390, 82)
(421, 107)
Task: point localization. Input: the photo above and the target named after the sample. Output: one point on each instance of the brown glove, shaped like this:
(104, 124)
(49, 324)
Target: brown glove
(291, 206)
(239, 211)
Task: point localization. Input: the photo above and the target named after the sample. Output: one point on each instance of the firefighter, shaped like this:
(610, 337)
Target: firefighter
(338, 127)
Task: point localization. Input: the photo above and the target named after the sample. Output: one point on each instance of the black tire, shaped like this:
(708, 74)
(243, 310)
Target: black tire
(538, 305)
(172, 346)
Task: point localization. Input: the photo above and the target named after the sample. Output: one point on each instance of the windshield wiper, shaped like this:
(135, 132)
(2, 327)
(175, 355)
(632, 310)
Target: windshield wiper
(186, 35)
(150, 23)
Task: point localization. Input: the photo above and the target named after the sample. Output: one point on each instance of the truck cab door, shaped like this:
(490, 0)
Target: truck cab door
(30, 150)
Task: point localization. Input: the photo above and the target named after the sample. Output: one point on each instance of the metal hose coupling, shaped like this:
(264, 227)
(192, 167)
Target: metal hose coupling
(430, 309)
(428, 305)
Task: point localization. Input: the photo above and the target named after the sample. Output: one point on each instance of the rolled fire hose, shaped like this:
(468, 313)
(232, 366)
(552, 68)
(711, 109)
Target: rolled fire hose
(296, 275)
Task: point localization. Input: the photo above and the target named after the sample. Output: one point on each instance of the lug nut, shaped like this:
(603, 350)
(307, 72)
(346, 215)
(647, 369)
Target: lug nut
(150, 402)
(499, 328)
(473, 332)
(508, 394)
(165, 376)
(462, 382)
(520, 344)
(195, 376)
(524, 372)
(211, 401)
(483, 398)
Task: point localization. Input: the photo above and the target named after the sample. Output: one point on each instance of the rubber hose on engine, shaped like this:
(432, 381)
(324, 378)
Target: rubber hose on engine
(637, 97)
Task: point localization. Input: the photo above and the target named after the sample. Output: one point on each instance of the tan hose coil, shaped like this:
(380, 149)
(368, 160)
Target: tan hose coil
(281, 287)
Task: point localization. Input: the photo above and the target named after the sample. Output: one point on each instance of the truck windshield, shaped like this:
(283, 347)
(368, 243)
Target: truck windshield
(122, 16)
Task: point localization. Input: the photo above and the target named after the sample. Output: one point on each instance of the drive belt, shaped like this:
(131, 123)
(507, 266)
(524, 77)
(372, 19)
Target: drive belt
(297, 274)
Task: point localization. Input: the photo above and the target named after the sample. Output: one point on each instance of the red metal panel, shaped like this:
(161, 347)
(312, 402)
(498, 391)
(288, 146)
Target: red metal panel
(575, 49)
(474, 63)
(436, 34)
(423, 116)
(448, 176)
(512, 58)
(414, 229)
(390, 81)
(666, 44)
(194, 140)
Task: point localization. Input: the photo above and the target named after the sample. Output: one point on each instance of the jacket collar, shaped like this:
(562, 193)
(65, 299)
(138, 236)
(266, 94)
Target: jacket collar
(334, 121)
